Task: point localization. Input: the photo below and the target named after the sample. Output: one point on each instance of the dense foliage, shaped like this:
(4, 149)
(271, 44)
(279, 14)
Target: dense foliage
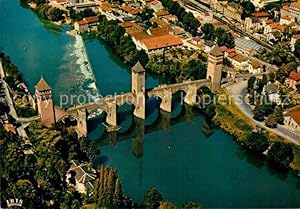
(123, 46)
(50, 13)
(220, 35)
(152, 198)
(281, 154)
(80, 15)
(297, 48)
(12, 74)
(39, 178)
(108, 191)
(190, 23)
(257, 142)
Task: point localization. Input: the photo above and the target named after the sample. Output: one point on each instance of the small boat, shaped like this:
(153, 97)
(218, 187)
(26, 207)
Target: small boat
(110, 128)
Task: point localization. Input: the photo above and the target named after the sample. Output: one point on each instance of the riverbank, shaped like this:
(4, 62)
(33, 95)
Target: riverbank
(21, 102)
(233, 121)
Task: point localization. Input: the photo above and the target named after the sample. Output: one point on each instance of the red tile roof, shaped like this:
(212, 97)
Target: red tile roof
(295, 76)
(295, 115)
(82, 22)
(260, 14)
(223, 48)
(159, 42)
(255, 64)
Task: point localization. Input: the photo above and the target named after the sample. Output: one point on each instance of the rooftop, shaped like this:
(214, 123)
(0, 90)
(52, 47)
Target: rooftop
(255, 64)
(295, 76)
(239, 58)
(216, 52)
(138, 68)
(162, 41)
(295, 115)
(91, 19)
(260, 14)
(247, 43)
(42, 85)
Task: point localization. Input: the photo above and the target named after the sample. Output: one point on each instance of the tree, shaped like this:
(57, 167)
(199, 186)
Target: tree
(152, 198)
(249, 8)
(281, 154)
(167, 205)
(259, 113)
(251, 82)
(208, 30)
(192, 205)
(297, 48)
(257, 142)
(279, 115)
(271, 121)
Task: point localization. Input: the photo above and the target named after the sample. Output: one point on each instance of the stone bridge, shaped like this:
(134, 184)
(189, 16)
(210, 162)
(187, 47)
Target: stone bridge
(137, 97)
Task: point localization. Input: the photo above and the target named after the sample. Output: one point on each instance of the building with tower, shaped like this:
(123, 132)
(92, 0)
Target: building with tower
(214, 67)
(43, 93)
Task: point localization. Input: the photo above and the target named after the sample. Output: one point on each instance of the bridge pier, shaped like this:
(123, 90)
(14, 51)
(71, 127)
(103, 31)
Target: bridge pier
(140, 106)
(166, 103)
(191, 96)
(165, 120)
(82, 129)
(111, 117)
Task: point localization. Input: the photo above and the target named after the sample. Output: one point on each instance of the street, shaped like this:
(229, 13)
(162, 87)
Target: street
(239, 91)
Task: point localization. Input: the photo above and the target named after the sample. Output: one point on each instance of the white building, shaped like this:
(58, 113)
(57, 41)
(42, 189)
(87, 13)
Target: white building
(292, 120)
(255, 67)
(272, 92)
(81, 177)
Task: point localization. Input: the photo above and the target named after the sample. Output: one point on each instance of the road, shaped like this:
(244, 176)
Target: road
(238, 93)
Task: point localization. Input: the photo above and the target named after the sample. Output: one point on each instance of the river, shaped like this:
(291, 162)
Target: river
(171, 153)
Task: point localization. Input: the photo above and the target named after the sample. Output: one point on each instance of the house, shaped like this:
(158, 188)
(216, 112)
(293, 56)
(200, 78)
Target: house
(292, 120)
(156, 43)
(81, 177)
(9, 128)
(293, 41)
(293, 80)
(86, 24)
(130, 11)
(262, 3)
(156, 5)
(105, 7)
(161, 13)
(252, 23)
(208, 45)
(230, 52)
(131, 27)
(272, 92)
(255, 67)
(247, 47)
(285, 20)
(239, 61)
(158, 31)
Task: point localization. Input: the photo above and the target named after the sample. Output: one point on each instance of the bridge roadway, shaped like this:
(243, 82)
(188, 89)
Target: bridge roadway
(130, 97)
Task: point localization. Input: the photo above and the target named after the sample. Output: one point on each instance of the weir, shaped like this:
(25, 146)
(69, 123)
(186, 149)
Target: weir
(50, 114)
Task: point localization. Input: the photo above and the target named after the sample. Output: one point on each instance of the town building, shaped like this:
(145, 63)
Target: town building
(262, 3)
(131, 27)
(292, 120)
(81, 177)
(239, 62)
(86, 24)
(293, 41)
(208, 45)
(293, 80)
(272, 92)
(247, 47)
(255, 67)
(156, 43)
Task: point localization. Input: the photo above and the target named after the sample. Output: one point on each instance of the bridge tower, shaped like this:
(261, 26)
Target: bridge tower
(138, 76)
(43, 93)
(214, 67)
(82, 129)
